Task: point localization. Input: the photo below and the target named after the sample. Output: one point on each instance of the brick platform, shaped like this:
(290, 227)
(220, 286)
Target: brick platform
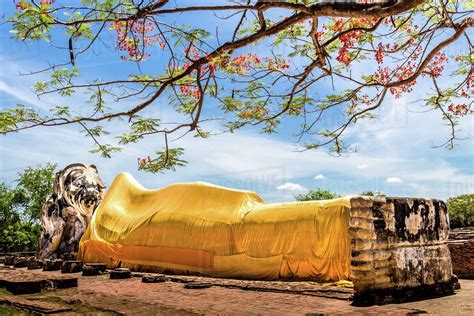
(99, 294)
(461, 246)
(35, 307)
(22, 281)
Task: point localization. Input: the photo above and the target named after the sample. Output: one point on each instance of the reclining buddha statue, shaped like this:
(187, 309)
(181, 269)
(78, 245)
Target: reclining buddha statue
(385, 246)
(199, 228)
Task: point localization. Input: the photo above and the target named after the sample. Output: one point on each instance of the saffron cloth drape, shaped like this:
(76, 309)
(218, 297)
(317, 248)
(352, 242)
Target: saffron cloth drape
(211, 230)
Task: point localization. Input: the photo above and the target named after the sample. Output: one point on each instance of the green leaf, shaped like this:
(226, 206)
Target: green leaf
(166, 160)
(105, 150)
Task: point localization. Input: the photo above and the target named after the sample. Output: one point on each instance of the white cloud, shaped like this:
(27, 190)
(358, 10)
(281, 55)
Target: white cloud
(362, 166)
(289, 186)
(319, 177)
(259, 163)
(394, 180)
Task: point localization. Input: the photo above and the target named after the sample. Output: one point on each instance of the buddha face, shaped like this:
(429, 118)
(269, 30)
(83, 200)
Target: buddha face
(82, 188)
(78, 191)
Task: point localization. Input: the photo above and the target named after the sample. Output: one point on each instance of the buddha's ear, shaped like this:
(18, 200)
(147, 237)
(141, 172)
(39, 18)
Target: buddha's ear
(59, 184)
(100, 183)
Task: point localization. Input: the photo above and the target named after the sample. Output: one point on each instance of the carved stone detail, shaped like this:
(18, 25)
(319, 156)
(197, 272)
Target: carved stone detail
(399, 245)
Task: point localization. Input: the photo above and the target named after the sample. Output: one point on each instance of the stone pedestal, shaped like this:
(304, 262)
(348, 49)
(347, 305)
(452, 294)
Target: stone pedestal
(102, 267)
(17, 287)
(20, 262)
(91, 269)
(120, 273)
(399, 249)
(52, 265)
(71, 266)
(64, 282)
(9, 260)
(34, 263)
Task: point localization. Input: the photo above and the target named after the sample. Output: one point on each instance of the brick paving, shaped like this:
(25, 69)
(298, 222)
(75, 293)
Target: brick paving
(131, 296)
(36, 307)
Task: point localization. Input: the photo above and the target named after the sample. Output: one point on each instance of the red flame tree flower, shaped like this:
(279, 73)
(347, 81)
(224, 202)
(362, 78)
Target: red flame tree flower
(263, 71)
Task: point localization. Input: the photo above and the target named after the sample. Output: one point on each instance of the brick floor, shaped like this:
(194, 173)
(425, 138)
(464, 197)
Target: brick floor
(131, 296)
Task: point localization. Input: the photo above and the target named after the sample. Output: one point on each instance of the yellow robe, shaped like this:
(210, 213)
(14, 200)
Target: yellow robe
(211, 230)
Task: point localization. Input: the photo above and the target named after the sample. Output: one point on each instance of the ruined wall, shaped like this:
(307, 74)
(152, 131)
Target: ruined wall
(399, 249)
(461, 246)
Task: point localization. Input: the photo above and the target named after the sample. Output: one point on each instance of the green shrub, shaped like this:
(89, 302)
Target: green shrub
(20, 208)
(318, 194)
(19, 236)
(461, 210)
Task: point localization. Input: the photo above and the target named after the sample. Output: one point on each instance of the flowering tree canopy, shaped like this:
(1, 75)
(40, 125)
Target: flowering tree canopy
(199, 72)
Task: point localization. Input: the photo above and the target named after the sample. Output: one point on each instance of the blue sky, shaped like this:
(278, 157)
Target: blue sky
(394, 152)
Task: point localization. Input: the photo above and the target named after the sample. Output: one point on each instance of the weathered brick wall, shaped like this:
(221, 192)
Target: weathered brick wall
(461, 246)
(399, 249)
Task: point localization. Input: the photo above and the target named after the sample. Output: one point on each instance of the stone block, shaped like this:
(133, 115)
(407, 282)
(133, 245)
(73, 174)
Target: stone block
(361, 202)
(9, 260)
(52, 265)
(20, 262)
(90, 271)
(63, 282)
(34, 263)
(102, 267)
(153, 279)
(120, 273)
(361, 213)
(360, 233)
(71, 266)
(363, 223)
(24, 287)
